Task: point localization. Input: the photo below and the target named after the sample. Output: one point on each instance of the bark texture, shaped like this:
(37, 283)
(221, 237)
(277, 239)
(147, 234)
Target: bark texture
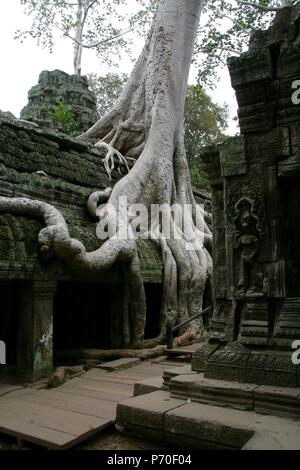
(146, 124)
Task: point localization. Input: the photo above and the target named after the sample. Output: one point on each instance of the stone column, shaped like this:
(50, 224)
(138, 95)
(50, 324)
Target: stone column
(35, 345)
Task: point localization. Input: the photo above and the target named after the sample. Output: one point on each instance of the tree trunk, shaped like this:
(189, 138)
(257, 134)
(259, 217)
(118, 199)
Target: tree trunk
(146, 124)
(78, 39)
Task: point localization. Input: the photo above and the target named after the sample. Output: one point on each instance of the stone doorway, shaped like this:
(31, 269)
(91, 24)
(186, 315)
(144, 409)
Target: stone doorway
(9, 325)
(153, 298)
(82, 317)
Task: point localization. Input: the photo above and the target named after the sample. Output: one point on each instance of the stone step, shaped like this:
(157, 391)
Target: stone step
(171, 372)
(160, 418)
(280, 401)
(120, 364)
(180, 352)
(148, 385)
(185, 353)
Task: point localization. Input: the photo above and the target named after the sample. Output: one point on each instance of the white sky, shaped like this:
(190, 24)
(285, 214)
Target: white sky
(22, 64)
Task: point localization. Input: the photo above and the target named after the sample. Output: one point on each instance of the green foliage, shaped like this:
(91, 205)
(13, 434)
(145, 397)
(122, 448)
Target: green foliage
(107, 89)
(63, 118)
(199, 178)
(106, 24)
(224, 31)
(205, 123)
(225, 28)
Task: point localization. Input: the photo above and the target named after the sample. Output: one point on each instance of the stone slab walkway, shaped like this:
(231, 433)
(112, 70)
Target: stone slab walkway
(62, 417)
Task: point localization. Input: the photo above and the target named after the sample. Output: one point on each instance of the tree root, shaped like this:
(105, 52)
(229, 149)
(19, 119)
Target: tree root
(147, 123)
(109, 160)
(61, 374)
(110, 354)
(97, 198)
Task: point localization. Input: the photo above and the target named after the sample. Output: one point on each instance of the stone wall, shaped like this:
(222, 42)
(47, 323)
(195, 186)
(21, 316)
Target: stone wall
(61, 171)
(256, 217)
(58, 86)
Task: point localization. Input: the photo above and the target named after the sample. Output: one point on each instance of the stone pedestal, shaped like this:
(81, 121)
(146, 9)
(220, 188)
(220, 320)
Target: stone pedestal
(287, 327)
(254, 329)
(35, 346)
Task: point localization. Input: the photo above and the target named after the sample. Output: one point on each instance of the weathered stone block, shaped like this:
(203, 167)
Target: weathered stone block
(208, 426)
(57, 86)
(282, 401)
(287, 327)
(120, 364)
(148, 386)
(201, 356)
(229, 363)
(216, 392)
(254, 329)
(171, 372)
(146, 413)
(271, 368)
(233, 157)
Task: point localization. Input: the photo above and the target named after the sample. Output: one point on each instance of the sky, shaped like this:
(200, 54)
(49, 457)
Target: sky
(21, 64)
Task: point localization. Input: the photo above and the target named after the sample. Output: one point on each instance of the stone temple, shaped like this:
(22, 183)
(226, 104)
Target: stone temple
(41, 298)
(255, 193)
(242, 388)
(57, 86)
(245, 377)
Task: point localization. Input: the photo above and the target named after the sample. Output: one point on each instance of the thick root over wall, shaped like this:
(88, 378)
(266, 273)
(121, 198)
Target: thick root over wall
(146, 124)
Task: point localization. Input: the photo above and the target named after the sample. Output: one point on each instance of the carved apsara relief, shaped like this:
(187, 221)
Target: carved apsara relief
(246, 245)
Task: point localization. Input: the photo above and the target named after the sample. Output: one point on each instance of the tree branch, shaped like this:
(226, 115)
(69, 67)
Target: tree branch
(91, 46)
(91, 5)
(225, 49)
(86, 12)
(111, 38)
(259, 7)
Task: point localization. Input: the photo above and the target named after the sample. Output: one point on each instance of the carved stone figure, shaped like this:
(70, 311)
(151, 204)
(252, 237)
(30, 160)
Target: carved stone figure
(246, 244)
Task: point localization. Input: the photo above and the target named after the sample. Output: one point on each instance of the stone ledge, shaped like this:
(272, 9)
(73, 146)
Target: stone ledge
(170, 421)
(209, 426)
(264, 399)
(217, 392)
(281, 401)
(121, 364)
(143, 415)
(172, 372)
(148, 385)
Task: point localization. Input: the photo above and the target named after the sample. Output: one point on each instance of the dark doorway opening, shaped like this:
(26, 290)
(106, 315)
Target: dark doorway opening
(290, 200)
(81, 316)
(207, 302)
(9, 324)
(153, 298)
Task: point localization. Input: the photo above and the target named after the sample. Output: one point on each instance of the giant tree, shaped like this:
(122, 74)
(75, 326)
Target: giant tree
(146, 122)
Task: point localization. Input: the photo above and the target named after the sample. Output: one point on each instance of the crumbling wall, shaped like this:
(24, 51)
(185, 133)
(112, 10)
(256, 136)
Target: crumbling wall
(57, 86)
